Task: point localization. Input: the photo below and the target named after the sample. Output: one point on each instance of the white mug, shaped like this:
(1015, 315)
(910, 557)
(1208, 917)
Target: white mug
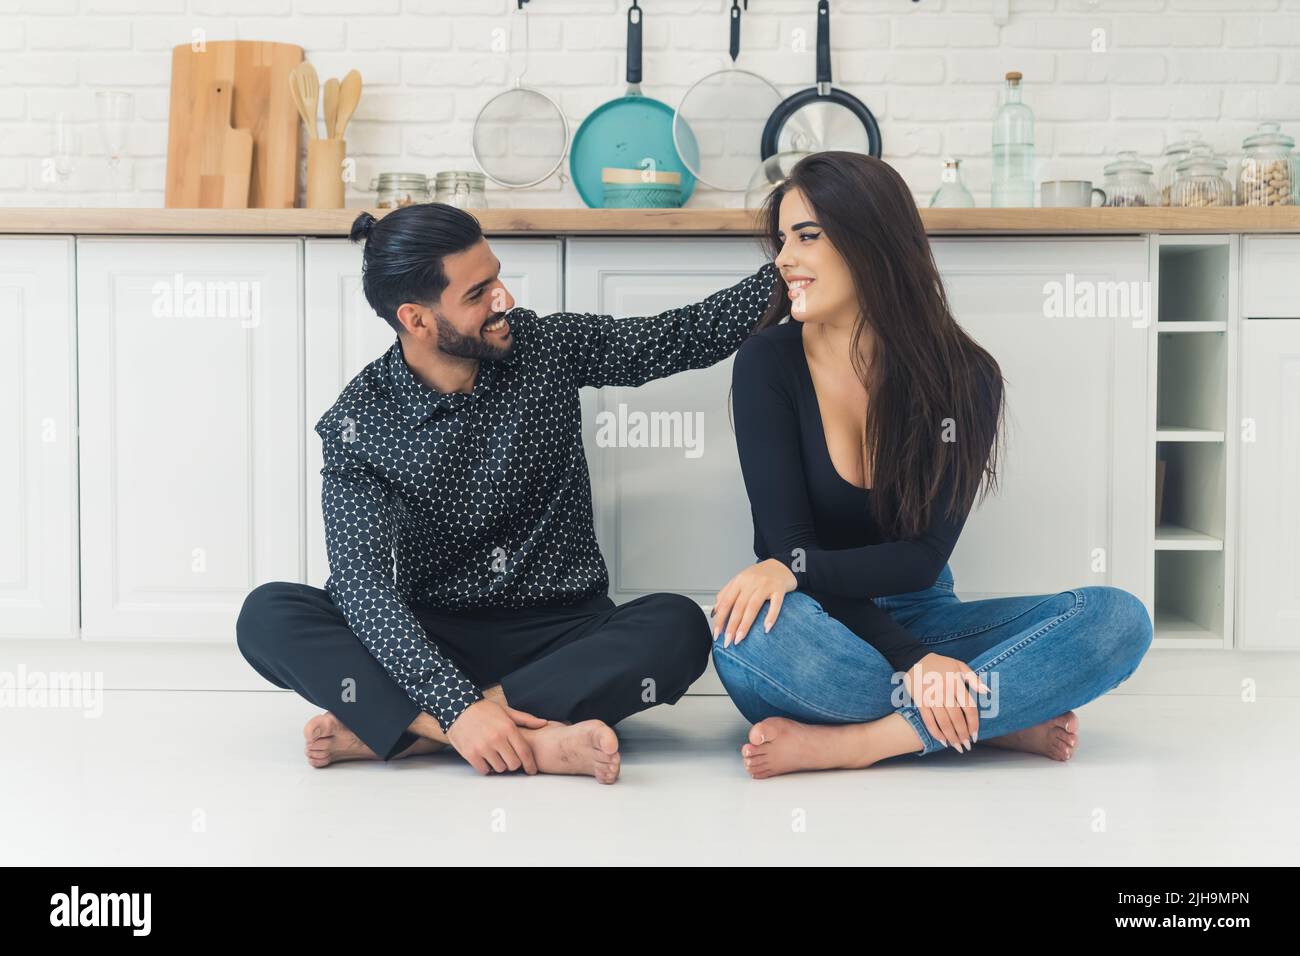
(1056, 193)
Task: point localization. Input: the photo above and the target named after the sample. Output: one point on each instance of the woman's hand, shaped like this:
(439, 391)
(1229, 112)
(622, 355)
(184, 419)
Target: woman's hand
(941, 689)
(739, 601)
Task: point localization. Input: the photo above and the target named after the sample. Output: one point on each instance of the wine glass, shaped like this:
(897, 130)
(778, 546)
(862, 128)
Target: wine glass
(65, 148)
(113, 107)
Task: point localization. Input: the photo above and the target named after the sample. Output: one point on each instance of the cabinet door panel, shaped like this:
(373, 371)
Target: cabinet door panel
(1269, 568)
(1270, 286)
(189, 357)
(38, 439)
(1074, 484)
(668, 518)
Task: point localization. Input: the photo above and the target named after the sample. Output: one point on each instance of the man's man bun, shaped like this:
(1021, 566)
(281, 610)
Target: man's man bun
(361, 227)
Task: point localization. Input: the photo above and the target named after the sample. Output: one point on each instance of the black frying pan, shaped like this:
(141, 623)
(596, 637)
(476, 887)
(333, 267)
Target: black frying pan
(821, 117)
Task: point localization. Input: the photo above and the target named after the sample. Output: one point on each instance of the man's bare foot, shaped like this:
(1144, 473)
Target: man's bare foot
(1055, 738)
(779, 745)
(329, 741)
(589, 747)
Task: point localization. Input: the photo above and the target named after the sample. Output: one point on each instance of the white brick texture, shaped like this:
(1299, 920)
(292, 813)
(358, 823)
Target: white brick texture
(1100, 75)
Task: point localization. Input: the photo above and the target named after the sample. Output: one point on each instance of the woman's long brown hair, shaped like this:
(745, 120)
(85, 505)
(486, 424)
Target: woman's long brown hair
(924, 368)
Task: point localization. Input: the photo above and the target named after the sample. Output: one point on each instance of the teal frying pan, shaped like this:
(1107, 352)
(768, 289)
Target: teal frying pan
(631, 132)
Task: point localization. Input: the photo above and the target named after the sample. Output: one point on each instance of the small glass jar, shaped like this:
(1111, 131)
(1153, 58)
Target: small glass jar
(462, 188)
(1174, 154)
(1128, 182)
(1267, 174)
(394, 190)
(1200, 180)
(952, 193)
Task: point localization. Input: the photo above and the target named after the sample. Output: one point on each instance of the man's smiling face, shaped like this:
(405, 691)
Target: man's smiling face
(469, 318)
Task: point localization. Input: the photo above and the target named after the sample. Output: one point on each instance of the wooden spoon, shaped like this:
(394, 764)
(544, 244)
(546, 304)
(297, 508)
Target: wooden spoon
(349, 94)
(331, 106)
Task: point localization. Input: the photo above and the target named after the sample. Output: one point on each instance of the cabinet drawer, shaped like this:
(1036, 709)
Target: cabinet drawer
(1272, 279)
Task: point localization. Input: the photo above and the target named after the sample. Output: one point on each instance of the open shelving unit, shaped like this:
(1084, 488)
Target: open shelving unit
(1194, 440)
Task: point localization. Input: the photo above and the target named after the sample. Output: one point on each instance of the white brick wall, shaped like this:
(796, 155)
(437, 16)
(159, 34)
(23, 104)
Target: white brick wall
(930, 71)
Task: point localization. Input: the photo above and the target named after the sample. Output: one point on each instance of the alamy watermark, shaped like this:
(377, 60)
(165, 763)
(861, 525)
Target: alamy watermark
(638, 429)
(65, 690)
(1093, 299)
(183, 298)
(76, 908)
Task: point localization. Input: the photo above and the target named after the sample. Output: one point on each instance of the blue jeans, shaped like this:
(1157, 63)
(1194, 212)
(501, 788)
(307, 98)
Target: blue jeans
(1040, 656)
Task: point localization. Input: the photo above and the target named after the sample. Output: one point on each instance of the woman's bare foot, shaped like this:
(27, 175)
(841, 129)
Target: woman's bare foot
(1055, 738)
(589, 747)
(329, 741)
(779, 745)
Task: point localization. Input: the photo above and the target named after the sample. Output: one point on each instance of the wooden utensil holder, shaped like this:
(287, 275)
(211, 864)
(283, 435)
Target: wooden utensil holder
(325, 173)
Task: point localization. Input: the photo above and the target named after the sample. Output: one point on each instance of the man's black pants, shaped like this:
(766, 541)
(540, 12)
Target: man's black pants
(590, 660)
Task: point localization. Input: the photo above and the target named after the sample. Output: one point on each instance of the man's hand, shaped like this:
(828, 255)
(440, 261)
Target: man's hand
(741, 598)
(487, 735)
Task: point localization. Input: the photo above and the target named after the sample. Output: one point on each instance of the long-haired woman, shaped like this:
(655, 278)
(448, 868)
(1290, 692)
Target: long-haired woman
(868, 424)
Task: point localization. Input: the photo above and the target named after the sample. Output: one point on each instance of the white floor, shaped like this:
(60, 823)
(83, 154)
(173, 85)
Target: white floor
(218, 777)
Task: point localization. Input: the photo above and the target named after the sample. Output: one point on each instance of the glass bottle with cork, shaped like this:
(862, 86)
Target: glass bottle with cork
(1013, 149)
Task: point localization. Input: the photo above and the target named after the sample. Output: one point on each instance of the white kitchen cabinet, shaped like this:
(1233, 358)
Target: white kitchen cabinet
(1073, 509)
(38, 438)
(667, 518)
(190, 377)
(344, 335)
(1073, 505)
(1268, 593)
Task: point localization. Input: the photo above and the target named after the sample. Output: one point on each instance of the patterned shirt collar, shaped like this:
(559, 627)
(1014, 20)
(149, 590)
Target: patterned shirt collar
(419, 402)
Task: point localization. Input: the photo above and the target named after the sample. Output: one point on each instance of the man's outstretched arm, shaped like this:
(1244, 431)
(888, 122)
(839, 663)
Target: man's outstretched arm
(611, 351)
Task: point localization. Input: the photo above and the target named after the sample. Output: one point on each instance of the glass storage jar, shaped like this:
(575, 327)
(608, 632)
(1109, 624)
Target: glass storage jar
(1267, 174)
(1128, 182)
(393, 190)
(1200, 181)
(462, 188)
(1174, 154)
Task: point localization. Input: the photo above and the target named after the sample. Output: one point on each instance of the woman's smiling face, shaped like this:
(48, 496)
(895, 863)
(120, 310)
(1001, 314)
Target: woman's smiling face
(820, 286)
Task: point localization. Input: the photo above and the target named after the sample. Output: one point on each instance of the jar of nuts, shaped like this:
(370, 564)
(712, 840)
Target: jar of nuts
(1174, 154)
(1200, 180)
(1128, 182)
(1267, 175)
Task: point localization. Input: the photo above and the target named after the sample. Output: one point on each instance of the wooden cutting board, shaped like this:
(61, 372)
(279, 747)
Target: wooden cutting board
(225, 154)
(256, 74)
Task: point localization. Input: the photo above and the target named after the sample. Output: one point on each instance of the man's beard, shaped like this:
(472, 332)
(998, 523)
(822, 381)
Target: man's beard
(452, 342)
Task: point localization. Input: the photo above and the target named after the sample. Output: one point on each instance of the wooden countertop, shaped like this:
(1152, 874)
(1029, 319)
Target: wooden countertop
(573, 221)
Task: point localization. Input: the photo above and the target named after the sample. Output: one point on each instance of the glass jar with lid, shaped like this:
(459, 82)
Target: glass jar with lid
(1174, 154)
(462, 188)
(1267, 174)
(394, 190)
(1200, 180)
(1128, 182)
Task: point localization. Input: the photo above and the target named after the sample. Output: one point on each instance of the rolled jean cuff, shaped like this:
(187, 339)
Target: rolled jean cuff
(928, 743)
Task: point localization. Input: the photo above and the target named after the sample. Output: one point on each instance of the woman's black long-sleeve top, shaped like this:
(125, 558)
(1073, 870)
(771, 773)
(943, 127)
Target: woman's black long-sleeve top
(810, 518)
